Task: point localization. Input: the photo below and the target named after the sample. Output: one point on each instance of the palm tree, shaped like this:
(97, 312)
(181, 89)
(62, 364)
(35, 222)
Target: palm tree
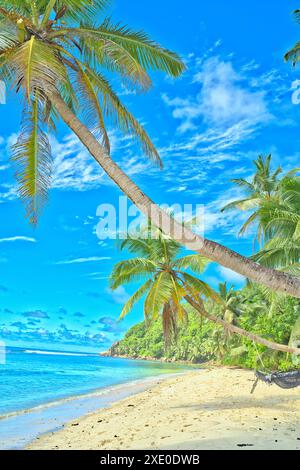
(166, 282)
(261, 188)
(54, 52)
(276, 212)
(276, 204)
(280, 221)
(293, 54)
(167, 285)
(229, 299)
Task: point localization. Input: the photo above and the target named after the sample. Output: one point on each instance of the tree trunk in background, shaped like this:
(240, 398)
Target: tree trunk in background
(199, 306)
(271, 278)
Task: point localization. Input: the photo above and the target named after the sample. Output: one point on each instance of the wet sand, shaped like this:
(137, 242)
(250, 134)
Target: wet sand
(204, 409)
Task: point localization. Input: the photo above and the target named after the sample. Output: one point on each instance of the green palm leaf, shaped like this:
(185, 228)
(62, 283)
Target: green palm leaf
(135, 298)
(131, 270)
(196, 263)
(199, 287)
(92, 108)
(243, 204)
(158, 296)
(146, 52)
(32, 154)
(120, 116)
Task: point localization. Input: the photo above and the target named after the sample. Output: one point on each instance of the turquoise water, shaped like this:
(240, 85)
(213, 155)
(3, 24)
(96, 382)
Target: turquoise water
(29, 379)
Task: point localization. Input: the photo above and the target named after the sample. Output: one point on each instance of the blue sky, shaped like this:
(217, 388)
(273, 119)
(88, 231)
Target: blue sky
(234, 102)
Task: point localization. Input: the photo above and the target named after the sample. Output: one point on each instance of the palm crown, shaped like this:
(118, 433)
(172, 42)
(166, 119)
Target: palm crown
(50, 46)
(262, 189)
(280, 220)
(167, 281)
(293, 55)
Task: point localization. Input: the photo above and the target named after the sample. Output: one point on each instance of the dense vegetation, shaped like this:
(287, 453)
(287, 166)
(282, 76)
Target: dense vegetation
(199, 340)
(190, 311)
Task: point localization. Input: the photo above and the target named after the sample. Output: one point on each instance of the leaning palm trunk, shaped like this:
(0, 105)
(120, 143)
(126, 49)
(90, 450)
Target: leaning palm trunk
(271, 278)
(239, 331)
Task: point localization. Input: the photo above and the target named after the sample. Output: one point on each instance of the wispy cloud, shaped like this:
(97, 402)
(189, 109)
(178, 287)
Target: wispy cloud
(225, 99)
(84, 260)
(36, 314)
(230, 276)
(119, 295)
(17, 239)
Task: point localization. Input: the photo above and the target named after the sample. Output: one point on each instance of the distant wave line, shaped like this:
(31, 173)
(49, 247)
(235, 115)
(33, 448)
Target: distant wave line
(58, 353)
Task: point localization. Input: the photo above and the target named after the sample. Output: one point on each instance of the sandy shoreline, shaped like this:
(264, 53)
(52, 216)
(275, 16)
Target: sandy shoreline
(205, 409)
(18, 429)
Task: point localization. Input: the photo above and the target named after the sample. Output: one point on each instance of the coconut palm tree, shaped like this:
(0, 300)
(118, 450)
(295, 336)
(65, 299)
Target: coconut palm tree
(55, 52)
(280, 220)
(168, 285)
(166, 281)
(230, 299)
(277, 216)
(262, 187)
(293, 55)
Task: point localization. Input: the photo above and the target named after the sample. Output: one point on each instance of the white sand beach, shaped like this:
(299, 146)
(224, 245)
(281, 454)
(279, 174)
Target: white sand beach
(203, 409)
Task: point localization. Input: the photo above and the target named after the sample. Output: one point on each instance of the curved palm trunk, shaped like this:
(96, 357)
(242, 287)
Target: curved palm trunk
(271, 278)
(239, 331)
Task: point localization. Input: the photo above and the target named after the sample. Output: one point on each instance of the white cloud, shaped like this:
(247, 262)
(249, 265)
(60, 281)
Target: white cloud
(84, 260)
(119, 296)
(18, 238)
(230, 276)
(73, 167)
(226, 98)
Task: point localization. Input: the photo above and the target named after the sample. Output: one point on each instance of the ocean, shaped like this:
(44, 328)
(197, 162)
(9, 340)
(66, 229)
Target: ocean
(41, 390)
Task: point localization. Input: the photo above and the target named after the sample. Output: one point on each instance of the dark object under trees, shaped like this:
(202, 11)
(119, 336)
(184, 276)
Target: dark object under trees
(289, 379)
(285, 380)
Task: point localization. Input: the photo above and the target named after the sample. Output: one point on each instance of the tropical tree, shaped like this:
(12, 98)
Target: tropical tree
(280, 222)
(276, 212)
(275, 205)
(260, 189)
(229, 300)
(166, 280)
(293, 55)
(54, 52)
(168, 284)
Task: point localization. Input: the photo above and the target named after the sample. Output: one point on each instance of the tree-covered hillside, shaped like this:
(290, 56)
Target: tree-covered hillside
(199, 340)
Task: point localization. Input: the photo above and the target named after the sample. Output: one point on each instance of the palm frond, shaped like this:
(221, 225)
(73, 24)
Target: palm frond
(77, 10)
(92, 111)
(32, 154)
(131, 270)
(120, 116)
(199, 287)
(37, 67)
(196, 263)
(158, 296)
(135, 298)
(148, 54)
(243, 204)
(8, 37)
(243, 184)
(250, 221)
(137, 245)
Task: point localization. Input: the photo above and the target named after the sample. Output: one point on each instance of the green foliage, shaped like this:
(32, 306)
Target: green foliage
(147, 341)
(166, 282)
(50, 47)
(199, 340)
